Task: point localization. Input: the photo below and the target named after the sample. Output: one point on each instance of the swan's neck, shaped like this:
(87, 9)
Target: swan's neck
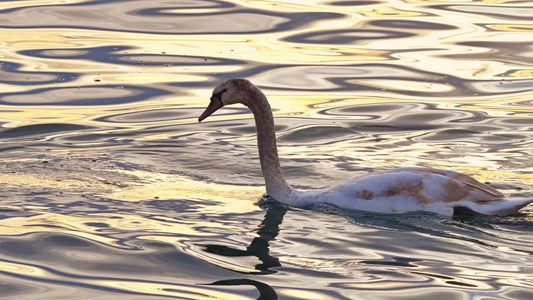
(276, 185)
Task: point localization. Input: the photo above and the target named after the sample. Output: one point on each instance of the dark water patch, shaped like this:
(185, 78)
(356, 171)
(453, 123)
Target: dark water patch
(394, 261)
(316, 134)
(516, 52)
(524, 123)
(451, 134)
(18, 248)
(184, 6)
(178, 60)
(46, 129)
(354, 3)
(518, 294)
(128, 136)
(66, 241)
(412, 24)
(81, 140)
(103, 54)
(345, 36)
(119, 55)
(500, 11)
(266, 292)
(425, 120)
(98, 224)
(12, 73)
(246, 128)
(381, 108)
(7, 213)
(508, 139)
(87, 95)
(149, 116)
(14, 288)
(298, 170)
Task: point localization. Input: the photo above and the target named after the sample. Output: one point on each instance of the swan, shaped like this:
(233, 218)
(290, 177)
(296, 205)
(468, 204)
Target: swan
(394, 191)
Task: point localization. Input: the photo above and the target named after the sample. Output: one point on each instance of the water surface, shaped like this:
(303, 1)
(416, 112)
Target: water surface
(112, 190)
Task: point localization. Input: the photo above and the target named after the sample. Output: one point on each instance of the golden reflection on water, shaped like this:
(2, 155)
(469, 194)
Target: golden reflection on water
(301, 294)
(23, 269)
(165, 186)
(159, 227)
(173, 290)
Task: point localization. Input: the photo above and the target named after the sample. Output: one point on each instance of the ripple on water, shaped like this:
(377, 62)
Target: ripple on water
(41, 130)
(13, 74)
(512, 53)
(96, 268)
(345, 36)
(383, 77)
(149, 116)
(180, 18)
(510, 12)
(122, 55)
(87, 95)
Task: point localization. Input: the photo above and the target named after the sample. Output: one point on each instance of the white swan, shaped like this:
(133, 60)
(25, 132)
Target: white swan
(395, 191)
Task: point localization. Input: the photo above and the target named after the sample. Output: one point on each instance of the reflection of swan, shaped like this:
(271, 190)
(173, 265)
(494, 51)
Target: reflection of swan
(266, 292)
(259, 247)
(394, 191)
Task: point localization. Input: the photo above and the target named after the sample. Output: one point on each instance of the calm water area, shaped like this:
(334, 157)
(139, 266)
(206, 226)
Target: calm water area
(111, 189)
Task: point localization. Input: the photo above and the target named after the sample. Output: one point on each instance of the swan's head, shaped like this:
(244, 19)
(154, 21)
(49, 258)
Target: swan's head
(231, 91)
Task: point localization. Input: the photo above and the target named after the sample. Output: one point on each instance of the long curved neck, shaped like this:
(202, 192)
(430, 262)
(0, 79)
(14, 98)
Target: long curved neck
(276, 185)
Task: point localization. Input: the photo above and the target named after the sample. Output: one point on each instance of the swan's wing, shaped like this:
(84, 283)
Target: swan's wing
(453, 183)
(478, 191)
(426, 189)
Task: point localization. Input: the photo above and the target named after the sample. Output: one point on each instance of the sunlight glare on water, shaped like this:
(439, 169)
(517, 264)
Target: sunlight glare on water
(112, 190)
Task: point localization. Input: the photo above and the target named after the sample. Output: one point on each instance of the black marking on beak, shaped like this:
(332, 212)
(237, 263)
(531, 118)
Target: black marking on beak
(214, 105)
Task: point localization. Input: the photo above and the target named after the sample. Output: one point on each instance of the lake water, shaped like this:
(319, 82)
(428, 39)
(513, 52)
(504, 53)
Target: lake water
(111, 189)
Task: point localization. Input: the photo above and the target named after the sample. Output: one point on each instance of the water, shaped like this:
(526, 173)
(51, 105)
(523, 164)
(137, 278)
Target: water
(112, 190)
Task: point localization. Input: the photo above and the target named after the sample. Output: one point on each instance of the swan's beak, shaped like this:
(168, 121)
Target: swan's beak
(214, 105)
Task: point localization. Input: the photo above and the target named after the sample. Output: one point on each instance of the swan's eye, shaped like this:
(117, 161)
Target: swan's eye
(219, 94)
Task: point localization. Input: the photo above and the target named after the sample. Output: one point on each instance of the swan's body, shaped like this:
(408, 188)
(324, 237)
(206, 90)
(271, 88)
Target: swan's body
(394, 191)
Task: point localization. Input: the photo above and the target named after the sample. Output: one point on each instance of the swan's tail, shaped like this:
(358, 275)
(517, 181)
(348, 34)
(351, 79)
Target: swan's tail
(504, 208)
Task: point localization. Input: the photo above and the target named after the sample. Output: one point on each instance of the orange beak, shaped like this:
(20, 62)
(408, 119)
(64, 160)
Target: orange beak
(214, 105)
